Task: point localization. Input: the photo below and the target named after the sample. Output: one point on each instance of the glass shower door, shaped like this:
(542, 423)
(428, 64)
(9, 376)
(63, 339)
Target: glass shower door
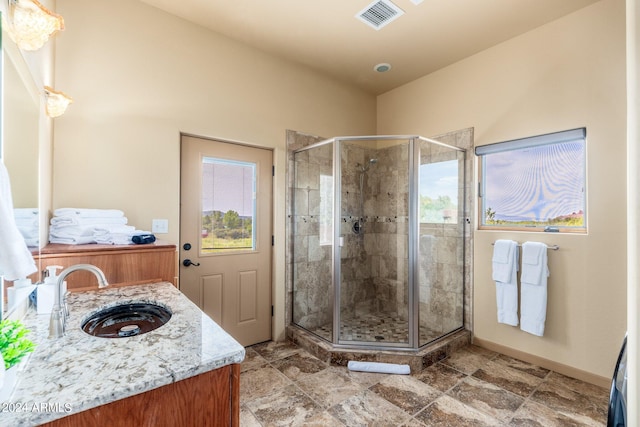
(374, 211)
(440, 241)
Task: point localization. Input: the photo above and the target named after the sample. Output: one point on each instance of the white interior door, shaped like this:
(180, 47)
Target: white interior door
(226, 234)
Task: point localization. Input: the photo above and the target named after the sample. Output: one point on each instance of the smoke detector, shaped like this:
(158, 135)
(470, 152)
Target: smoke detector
(379, 13)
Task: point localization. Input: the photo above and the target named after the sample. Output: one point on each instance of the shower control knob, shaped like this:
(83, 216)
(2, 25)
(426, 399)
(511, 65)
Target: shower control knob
(187, 262)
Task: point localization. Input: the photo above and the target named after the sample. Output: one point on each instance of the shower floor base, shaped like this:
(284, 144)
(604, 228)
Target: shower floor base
(417, 360)
(376, 328)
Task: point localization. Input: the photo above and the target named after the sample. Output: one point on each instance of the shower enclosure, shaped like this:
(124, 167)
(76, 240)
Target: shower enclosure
(378, 233)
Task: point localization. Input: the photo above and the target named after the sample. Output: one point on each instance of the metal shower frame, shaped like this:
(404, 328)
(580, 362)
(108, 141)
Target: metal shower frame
(412, 238)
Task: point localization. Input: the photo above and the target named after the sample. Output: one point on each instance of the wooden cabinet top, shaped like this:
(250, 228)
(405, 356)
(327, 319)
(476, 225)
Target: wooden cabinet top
(57, 249)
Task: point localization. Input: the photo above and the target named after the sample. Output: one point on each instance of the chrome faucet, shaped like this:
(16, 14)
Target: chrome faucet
(59, 313)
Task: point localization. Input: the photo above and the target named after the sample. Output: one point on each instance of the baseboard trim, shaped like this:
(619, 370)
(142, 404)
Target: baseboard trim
(544, 363)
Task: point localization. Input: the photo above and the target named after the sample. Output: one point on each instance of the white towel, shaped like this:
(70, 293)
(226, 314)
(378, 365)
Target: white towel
(72, 240)
(16, 261)
(27, 222)
(383, 368)
(32, 242)
(25, 213)
(505, 267)
(502, 260)
(71, 232)
(533, 283)
(28, 232)
(114, 235)
(88, 213)
(106, 229)
(71, 220)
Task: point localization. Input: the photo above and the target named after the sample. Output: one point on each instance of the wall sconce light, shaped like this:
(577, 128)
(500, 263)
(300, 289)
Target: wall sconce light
(31, 24)
(57, 102)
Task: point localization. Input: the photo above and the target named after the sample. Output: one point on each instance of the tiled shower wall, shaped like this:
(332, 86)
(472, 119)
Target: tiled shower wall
(310, 263)
(374, 264)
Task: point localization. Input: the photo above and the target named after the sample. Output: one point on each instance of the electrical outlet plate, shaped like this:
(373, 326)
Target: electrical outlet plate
(160, 226)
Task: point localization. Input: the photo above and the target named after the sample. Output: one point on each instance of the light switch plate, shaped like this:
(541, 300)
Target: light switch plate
(160, 226)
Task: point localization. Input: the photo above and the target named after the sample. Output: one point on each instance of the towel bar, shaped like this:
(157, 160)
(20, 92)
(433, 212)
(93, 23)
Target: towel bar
(551, 247)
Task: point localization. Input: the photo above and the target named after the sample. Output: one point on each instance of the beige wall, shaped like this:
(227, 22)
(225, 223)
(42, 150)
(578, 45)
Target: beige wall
(139, 77)
(567, 74)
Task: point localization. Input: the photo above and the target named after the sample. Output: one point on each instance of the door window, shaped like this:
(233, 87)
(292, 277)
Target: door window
(228, 206)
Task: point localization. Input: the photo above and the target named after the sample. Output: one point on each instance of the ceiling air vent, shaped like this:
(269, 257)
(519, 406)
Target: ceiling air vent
(379, 13)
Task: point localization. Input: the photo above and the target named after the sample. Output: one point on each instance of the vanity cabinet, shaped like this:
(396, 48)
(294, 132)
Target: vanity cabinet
(209, 399)
(155, 262)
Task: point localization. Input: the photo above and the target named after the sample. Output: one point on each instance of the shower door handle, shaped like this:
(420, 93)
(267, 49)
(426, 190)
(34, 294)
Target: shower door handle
(341, 241)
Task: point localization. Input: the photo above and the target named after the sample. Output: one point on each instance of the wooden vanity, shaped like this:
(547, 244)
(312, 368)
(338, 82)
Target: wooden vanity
(209, 399)
(155, 262)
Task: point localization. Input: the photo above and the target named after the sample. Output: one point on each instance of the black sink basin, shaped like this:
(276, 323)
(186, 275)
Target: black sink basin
(126, 320)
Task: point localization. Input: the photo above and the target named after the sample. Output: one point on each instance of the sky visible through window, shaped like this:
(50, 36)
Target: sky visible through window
(439, 179)
(537, 184)
(439, 192)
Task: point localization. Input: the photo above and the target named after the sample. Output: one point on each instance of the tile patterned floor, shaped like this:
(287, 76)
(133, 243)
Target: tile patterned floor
(283, 385)
(376, 328)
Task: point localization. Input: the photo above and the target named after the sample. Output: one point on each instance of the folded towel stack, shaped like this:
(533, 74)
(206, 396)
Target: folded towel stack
(73, 226)
(28, 225)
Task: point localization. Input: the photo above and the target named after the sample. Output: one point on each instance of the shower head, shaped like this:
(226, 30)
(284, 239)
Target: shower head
(365, 167)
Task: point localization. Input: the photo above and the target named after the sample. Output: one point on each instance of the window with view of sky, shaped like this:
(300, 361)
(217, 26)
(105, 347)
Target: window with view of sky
(535, 186)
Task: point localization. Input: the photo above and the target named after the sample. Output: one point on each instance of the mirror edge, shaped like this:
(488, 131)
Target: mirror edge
(27, 64)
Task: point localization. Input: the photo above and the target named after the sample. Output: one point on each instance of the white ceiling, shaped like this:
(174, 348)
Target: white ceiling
(325, 35)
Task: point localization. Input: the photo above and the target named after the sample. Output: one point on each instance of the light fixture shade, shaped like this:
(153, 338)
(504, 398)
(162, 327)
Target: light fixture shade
(31, 24)
(57, 102)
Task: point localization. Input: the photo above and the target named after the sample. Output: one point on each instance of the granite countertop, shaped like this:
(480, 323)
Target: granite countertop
(78, 371)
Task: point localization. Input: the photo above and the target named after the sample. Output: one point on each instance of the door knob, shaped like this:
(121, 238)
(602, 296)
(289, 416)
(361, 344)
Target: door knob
(188, 262)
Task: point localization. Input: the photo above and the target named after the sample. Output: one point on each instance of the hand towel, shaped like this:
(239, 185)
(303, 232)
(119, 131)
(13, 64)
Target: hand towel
(505, 267)
(16, 261)
(502, 260)
(533, 284)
